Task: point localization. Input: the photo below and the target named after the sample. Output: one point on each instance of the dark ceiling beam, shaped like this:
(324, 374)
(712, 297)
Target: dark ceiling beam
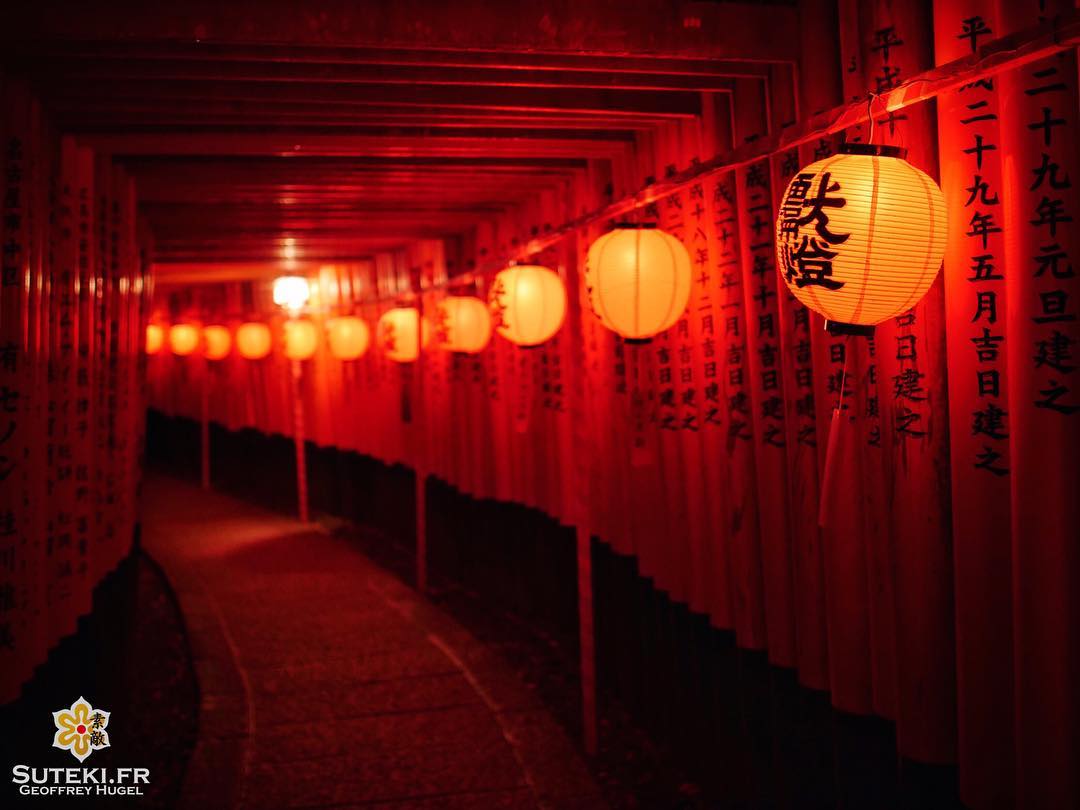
(151, 105)
(182, 273)
(725, 30)
(297, 145)
(377, 74)
(488, 98)
(363, 135)
(100, 121)
(33, 52)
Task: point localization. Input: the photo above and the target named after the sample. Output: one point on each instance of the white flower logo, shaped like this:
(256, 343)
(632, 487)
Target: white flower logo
(81, 729)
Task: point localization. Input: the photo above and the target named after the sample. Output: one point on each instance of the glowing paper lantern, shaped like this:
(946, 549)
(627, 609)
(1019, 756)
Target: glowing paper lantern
(301, 339)
(463, 324)
(397, 334)
(639, 280)
(183, 338)
(860, 236)
(253, 340)
(216, 342)
(155, 338)
(528, 304)
(291, 292)
(348, 337)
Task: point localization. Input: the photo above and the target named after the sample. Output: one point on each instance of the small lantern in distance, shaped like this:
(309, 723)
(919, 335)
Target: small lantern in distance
(348, 337)
(463, 324)
(253, 340)
(183, 338)
(397, 334)
(301, 339)
(155, 338)
(528, 304)
(860, 236)
(216, 342)
(638, 278)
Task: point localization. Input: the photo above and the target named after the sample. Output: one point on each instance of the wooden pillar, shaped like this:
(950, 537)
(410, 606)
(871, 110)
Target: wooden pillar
(585, 633)
(419, 416)
(204, 425)
(298, 440)
(421, 530)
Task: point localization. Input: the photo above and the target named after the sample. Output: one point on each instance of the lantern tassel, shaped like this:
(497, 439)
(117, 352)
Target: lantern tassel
(204, 425)
(641, 454)
(829, 474)
(524, 393)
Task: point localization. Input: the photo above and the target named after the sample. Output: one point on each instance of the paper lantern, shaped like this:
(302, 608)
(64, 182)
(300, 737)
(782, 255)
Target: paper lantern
(638, 279)
(348, 337)
(155, 338)
(860, 236)
(397, 334)
(253, 340)
(216, 342)
(301, 339)
(183, 338)
(527, 303)
(463, 324)
(291, 292)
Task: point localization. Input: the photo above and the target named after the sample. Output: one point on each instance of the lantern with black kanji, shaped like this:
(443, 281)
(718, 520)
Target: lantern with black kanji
(638, 278)
(527, 303)
(400, 333)
(860, 236)
(253, 340)
(462, 324)
(347, 337)
(183, 338)
(216, 342)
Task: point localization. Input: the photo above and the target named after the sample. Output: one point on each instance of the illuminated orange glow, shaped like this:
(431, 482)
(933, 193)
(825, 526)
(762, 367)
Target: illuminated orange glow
(874, 256)
(463, 324)
(216, 342)
(639, 280)
(301, 339)
(528, 304)
(183, 338)
(348, 337)
(291, 292)
(398, 334)
(253, 340)
(155, 338)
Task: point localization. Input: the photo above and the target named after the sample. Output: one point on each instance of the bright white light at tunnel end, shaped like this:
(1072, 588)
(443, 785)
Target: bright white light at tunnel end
(291, 293)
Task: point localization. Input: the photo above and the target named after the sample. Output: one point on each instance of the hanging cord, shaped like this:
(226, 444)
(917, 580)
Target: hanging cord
(869, 138)
(843, 376)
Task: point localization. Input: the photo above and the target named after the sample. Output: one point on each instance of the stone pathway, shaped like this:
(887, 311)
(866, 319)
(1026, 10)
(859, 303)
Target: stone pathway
(326, 682)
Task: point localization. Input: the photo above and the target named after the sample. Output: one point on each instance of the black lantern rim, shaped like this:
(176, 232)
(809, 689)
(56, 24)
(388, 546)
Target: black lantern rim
(631, 226)
(873, 149)
(855, 329)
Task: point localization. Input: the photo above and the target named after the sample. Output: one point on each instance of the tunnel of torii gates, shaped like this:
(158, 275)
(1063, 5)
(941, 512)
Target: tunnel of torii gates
(890, 512)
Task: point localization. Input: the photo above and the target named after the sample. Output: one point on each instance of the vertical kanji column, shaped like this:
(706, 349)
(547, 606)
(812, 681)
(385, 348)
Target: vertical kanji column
(1038, 123)
(910, 370)
(976, 276)
(17, 553)
(764, 370)
(740, 532)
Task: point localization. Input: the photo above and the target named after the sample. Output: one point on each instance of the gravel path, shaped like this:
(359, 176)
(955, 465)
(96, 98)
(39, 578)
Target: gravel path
(326, 682)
